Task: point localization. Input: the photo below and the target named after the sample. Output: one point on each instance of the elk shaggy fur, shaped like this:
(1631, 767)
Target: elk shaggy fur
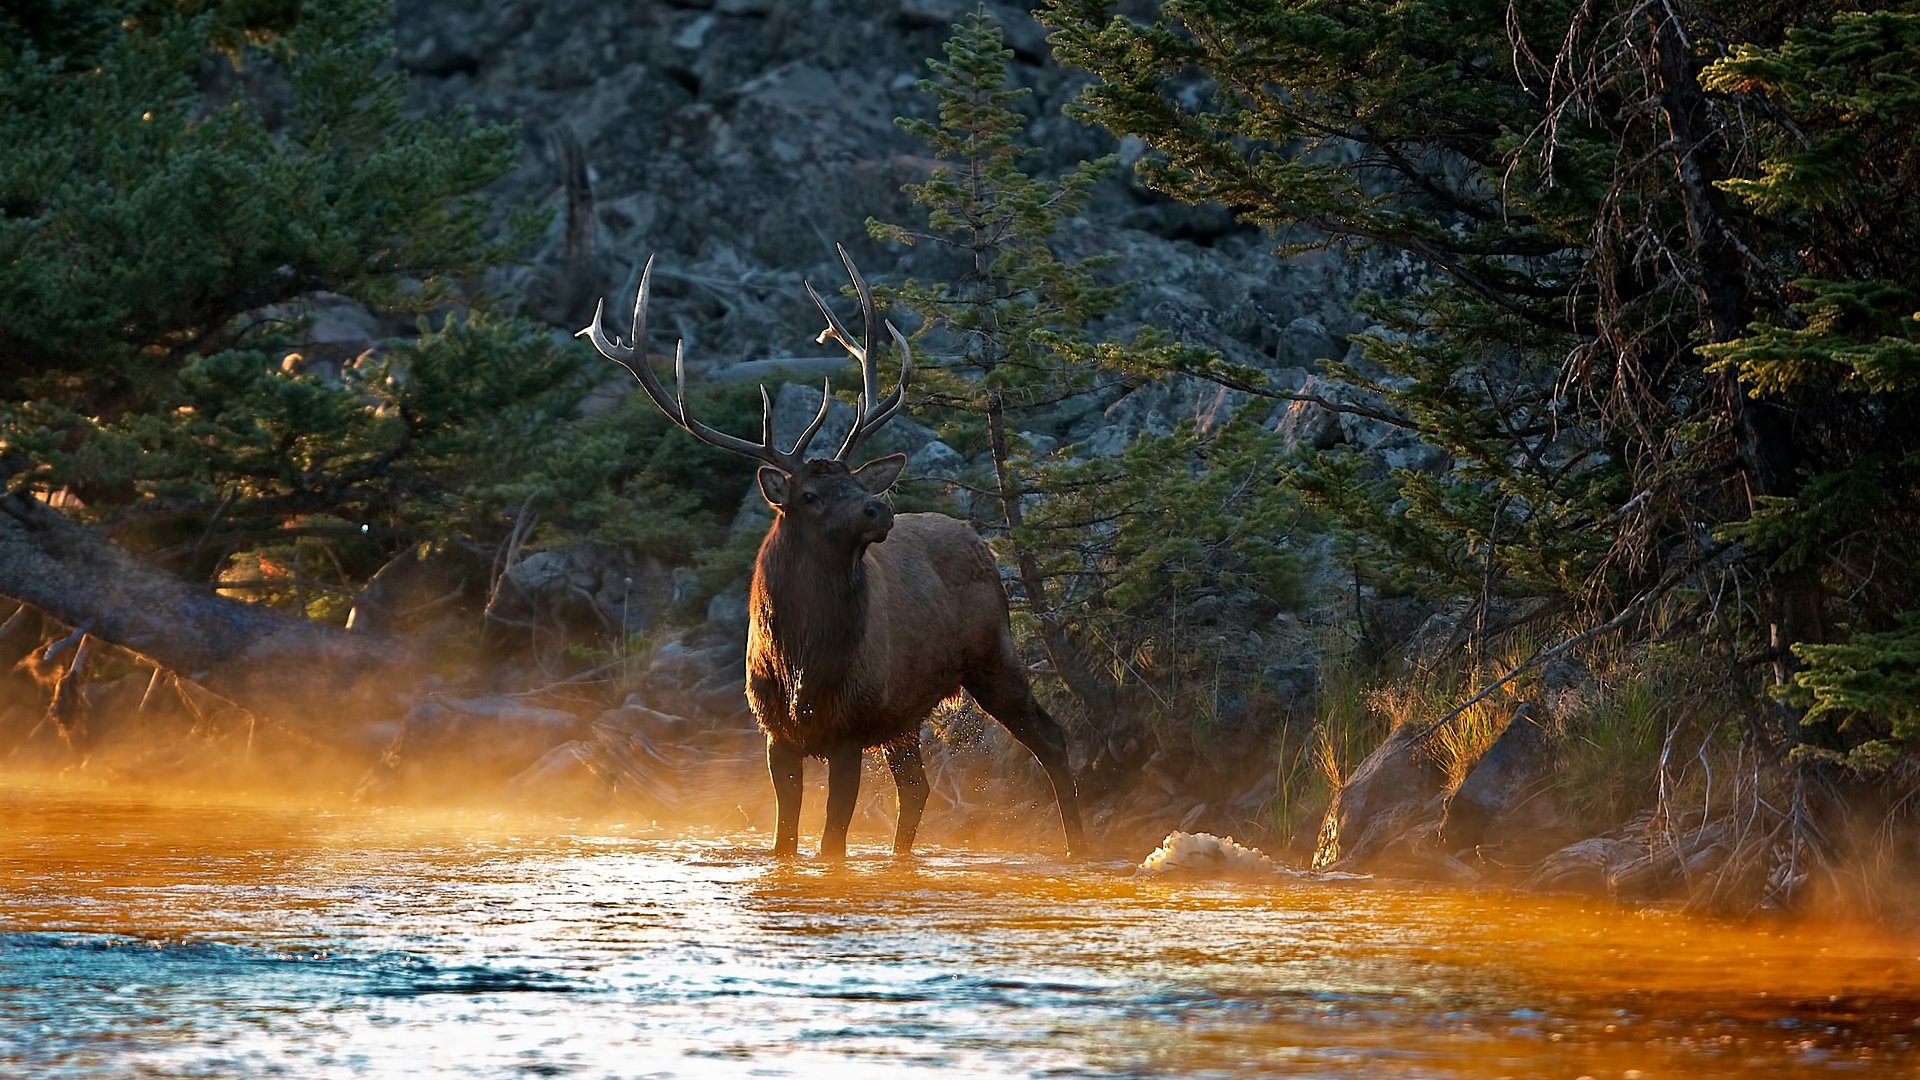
(864, 655)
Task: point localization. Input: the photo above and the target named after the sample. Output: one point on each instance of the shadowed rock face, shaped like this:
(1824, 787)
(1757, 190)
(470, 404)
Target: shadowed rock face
(1509, 779)
(738, 140)
(741, 139)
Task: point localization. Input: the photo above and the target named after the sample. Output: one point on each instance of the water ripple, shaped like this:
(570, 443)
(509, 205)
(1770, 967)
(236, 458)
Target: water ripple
(160, 941)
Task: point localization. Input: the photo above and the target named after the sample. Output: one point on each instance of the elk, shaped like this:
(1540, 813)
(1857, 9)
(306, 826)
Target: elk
(860, 621)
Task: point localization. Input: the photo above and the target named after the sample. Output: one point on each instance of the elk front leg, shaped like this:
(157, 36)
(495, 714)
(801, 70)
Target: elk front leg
(910, 785)
(843, 788)
(784, 765)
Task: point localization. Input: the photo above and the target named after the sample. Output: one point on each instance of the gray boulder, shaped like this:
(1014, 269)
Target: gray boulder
(1387, 808)
(579, 591)
(1308, 425)
(1511, 787)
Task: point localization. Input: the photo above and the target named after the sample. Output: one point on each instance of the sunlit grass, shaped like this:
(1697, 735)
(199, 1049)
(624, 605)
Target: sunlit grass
(1313, 763)
(1435, 696)
(1358, 708)
(1646, 724)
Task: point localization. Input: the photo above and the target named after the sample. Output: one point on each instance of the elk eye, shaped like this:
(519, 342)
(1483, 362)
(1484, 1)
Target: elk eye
(809, 498)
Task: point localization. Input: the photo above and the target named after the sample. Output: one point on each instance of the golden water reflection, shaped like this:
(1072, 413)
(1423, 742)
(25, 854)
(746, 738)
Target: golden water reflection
(180, 939)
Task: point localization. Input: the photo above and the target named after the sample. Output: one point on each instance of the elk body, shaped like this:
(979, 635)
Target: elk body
(860, 621)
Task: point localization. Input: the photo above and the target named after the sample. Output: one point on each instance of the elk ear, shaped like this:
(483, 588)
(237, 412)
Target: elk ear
(774, 486)
(879, 474)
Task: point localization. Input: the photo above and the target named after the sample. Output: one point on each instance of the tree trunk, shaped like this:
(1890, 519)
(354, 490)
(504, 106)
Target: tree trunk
(1094, 693)
(1768, 453)
(267, 662)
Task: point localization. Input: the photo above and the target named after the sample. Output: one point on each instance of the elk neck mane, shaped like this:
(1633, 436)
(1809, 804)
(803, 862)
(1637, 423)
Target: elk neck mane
(815, 606)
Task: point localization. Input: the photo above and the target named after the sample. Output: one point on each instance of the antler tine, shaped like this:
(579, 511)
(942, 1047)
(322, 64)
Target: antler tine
(834, 331)
(632, 356)
(799, 450)
(628, 355)
(874, 411)
(873, 418)
(870, 391)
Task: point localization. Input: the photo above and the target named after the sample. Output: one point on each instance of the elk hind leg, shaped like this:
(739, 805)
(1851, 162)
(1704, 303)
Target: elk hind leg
(910, 785)
(785, 763)
(1005, 695)
(843, 789)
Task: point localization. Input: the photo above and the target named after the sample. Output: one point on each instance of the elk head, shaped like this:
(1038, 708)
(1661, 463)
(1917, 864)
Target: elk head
(821, 496)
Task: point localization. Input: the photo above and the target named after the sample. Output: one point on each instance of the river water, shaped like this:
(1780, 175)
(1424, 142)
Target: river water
(149, 939)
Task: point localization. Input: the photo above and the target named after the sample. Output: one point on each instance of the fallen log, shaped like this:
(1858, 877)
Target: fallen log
(268, 662)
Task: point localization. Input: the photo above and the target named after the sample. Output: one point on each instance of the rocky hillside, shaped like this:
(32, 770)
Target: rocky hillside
(739, 140)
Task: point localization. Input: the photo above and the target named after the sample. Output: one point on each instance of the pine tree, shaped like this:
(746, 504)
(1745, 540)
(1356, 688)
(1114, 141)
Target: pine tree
(1110, 553)
(1014, 302)
(155, 209)
(180, 176)
(1665, 327)
(1394, 127)
(1836, 183)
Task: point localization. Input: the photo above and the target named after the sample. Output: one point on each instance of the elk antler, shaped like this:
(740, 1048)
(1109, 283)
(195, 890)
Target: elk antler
(632, 356)
(874, 412)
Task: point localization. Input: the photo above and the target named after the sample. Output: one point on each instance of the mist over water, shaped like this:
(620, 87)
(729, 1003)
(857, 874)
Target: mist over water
(176, 939)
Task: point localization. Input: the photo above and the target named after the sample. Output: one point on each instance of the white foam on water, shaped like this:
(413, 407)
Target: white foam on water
(1204, 854)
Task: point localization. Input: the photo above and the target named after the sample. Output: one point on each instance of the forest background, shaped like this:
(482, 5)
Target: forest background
(1347, 388)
